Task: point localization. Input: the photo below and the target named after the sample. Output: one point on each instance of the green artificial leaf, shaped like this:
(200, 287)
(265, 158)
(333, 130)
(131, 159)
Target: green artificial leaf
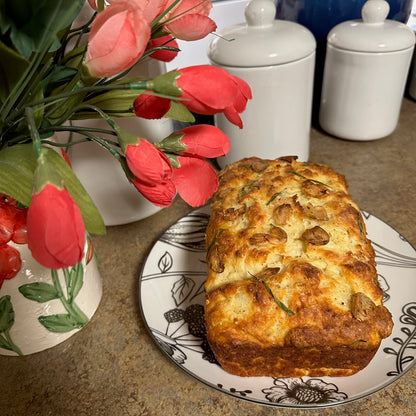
(12, 67)
(60, 75)
(59, 323)
(117, 102)
(34, 22)
(179, 112)
(166, 83)
(6, 313)
(17, 167)
(90, 214)
(4, 20)
(39, 291)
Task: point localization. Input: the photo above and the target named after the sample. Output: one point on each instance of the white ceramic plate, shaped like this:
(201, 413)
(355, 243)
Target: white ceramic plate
(172, 295)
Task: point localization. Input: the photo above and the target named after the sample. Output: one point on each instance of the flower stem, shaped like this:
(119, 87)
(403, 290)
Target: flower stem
(34, 134)
(135, 85)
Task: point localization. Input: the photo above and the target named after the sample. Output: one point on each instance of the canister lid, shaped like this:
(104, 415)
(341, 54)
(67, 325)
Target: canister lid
(373, 33)
(262, 40)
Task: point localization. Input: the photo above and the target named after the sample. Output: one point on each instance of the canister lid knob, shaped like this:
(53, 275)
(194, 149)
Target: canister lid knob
(375, 11)
(260, 13)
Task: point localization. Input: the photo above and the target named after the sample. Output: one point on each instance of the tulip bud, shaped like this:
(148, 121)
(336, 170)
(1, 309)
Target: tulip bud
(147, 163)
(164, 51)
(195, 180)
(55, 228)
(202, 140)
(160, 194)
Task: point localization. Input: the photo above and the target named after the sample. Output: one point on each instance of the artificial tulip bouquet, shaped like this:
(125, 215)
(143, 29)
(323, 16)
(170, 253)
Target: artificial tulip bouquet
(53, 74)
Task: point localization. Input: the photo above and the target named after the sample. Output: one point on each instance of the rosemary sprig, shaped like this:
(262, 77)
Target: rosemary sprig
(358, 341)
(215, 238)
(274, 196)
(278, 302)
(309, 179)
(245, 187)
(361, 226)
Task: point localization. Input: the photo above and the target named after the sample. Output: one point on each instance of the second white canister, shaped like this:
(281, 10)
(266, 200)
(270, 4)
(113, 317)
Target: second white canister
(277, 59)
(366, 67)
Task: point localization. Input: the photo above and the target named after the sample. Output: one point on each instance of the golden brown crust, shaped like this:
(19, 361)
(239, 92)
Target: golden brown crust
(292, 284)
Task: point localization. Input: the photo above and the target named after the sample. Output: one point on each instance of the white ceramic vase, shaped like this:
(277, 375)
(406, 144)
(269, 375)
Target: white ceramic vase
(40, 307)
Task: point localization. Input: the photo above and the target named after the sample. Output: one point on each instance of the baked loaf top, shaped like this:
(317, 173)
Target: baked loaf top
(290, 266)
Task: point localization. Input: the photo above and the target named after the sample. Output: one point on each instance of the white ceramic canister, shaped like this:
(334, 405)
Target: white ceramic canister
(366, 67)
(277, 59)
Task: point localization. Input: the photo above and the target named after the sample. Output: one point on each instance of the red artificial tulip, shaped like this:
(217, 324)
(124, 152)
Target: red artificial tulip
(151, 107)
(209, 90)
(201, 140)
(195, 180)
(164, 54)
(204, 140)
(160, 194)
(55, 229)
(148, 164)
(205, 89)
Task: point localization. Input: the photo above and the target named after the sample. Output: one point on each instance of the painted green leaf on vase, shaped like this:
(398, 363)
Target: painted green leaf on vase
(5, 345)
(39, 291)
(6, 313)
(59, 323)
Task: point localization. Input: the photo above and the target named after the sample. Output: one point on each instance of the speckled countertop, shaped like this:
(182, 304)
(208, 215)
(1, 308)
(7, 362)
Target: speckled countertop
(112, 367)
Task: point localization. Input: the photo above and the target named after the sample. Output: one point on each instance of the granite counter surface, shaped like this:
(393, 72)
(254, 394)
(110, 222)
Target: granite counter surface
(112, 367)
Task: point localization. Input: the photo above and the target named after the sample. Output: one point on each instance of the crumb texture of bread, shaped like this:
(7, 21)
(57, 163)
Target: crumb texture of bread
(292, 285)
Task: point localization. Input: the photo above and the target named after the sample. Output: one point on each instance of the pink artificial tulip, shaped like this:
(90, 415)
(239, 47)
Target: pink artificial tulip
(195, 180)
(160, 194)
(118, 38)
(163, 54)
(189, 19)
(152, 8)
(55, 229)
(148, 164)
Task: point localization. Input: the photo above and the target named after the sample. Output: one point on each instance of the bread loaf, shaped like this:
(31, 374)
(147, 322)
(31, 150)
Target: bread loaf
(292, 286)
